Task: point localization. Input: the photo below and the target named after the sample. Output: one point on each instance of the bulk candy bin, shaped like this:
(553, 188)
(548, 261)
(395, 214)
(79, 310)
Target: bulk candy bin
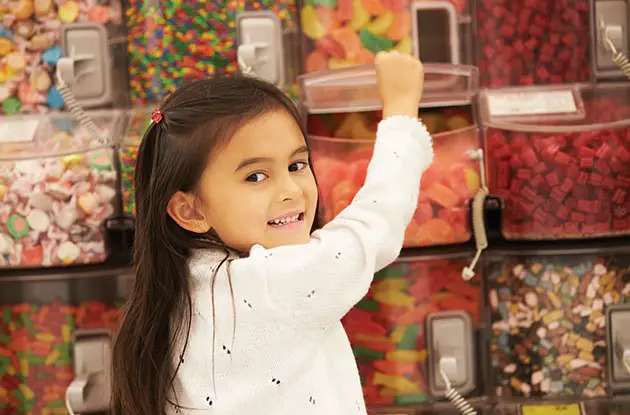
(548, 322)
(57, 187)
(342, 33)
(343, 113)
(172, 42)
(559, 158)
(588, 407)
(527, 42)
(386, 328)
(30, 48)
(38, 316)
(137, 124)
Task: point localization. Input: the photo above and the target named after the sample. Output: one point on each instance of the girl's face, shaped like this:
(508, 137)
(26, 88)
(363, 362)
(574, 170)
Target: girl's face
(259, 187)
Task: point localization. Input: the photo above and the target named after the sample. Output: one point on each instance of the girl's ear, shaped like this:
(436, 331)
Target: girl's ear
(185, 212)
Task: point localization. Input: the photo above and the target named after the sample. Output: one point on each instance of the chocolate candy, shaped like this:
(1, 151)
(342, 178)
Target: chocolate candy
(548, 322)
(341, 146)
(562, 185)
(30, 48)
(526, 42)
(36, 339)
(53, 202)
(171, 43)
(386, 327)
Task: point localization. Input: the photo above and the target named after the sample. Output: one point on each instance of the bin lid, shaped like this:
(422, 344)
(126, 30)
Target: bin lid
(355, 89)
(24, 137)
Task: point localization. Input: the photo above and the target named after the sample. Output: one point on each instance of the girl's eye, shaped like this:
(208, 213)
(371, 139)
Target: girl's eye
(256, 177)
(297, 166)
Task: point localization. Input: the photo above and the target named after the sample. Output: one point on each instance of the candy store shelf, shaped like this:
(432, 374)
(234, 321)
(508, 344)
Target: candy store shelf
(559, 158)
(386, 328)
(39, 313)
(605, 406)
(547, 319)
(57, 187)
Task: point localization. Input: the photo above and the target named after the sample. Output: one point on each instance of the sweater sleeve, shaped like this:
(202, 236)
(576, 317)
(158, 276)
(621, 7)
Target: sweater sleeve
(317, 283)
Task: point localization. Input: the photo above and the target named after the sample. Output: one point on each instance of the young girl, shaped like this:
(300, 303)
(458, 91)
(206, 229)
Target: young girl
(236, 307)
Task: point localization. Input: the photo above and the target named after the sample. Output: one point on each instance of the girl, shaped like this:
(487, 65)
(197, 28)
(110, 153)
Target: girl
(236, 306)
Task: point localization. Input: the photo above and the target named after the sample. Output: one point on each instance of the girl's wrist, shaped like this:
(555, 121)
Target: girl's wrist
(406, 108)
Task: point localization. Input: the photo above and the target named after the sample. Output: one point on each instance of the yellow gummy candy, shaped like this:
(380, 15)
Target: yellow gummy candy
(381, 24)
(26, 392)
(404, 46)
(360, 16)
(311, 26)
(334, 63)
(408, 356)
(472, 180)
(400, 383)
(388, 284)
(395, 298)
(398, 334)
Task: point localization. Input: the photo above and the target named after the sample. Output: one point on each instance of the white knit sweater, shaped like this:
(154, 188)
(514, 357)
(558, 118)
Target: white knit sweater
(279, 346)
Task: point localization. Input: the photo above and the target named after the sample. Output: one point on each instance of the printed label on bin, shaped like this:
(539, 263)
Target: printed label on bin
(570, 409)
(501, 104)
(13, 131)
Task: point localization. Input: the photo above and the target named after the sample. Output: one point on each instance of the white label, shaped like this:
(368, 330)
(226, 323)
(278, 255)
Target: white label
(531, 103)
(12, 131)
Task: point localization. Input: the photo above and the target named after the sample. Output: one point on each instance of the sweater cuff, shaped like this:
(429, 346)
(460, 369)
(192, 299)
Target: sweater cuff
(418, 131)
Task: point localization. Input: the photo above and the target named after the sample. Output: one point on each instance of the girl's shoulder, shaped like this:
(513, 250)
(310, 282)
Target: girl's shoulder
(203, 262)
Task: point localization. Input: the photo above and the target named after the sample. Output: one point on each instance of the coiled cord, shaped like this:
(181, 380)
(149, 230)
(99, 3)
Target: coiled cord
(456, 399)
(77, 112)
(618, 57)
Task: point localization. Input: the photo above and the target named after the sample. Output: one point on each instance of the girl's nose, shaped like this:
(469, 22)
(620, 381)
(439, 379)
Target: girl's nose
(289, 188)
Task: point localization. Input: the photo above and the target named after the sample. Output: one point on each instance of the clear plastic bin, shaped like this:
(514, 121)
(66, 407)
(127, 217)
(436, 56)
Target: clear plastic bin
(548, 322)
(171, 43)
(532, 42)
(30, 46)
(57, 187)
(386, 328)
(38, 316)
(344, 111)
(604, 406)
(344, 33)
(137, 124)
(559, 158)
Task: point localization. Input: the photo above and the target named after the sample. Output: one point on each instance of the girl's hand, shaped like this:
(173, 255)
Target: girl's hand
(400, 81)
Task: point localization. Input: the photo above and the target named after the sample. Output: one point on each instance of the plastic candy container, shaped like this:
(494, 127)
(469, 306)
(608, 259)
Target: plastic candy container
(38, 316)
(527, 42)
(560, 175)
(591, 406)
(172, 42)
(30, 49)
(386, 327)
(343, 33)
(56, 190)
(139, 120)
(342, 126)
(549, 323)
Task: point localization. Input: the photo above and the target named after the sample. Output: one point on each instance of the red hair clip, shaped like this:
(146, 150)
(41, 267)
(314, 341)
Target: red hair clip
(156, 116)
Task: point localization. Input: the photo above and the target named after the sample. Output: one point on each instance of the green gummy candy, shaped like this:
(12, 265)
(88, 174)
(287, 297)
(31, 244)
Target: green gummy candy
(18, 226)
(410, 338)
(411, 399)
(11, 106)
(375, 43)
(367, 305)
(326, 3)
(370, 354)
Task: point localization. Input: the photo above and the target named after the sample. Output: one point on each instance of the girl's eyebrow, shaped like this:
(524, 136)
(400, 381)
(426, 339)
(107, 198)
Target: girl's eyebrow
(254, 160)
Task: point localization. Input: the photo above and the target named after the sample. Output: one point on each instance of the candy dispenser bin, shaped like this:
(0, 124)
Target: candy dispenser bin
(386, 328)
(30, 47)
(343, 33)
(532, 42)
(137, 123)
(558, 157)
(548, 323)
(57, 188)
(171, 43)
(39, 314)
(343, 113)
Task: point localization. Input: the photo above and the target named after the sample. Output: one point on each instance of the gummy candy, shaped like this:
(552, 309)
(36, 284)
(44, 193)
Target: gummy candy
(375, 43)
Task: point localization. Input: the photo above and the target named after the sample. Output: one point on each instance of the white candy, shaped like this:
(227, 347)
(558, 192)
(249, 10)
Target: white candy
(6, 243)
(66, 216)
(38, 220)
(106, 193)
(68, 252)
(40, 200)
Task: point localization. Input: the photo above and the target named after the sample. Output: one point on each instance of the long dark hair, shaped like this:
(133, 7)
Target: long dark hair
(172, 157)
